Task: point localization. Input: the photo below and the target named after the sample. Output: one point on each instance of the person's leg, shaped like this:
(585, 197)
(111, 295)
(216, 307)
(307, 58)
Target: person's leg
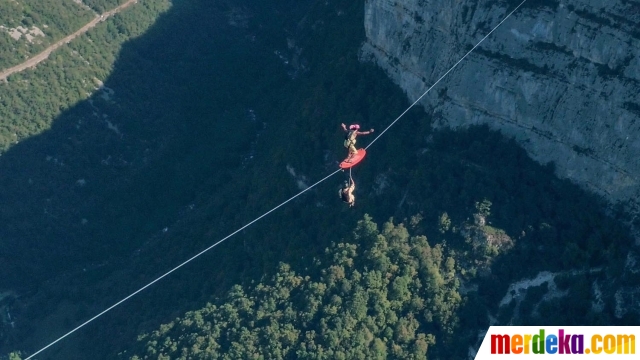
(352, 151)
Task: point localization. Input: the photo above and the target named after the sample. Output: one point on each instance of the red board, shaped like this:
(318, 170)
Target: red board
(355, 159)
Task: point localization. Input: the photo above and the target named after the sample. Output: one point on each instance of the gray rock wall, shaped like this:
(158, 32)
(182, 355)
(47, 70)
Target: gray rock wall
(561, 77)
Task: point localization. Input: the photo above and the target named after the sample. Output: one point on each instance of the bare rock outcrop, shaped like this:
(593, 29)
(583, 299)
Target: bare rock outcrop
(561, 77)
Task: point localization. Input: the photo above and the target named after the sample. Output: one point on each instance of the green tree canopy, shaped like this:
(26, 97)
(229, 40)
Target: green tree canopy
(395, 296)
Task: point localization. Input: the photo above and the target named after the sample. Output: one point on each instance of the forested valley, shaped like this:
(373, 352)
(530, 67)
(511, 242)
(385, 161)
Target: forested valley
(29, 26)
(172, 124)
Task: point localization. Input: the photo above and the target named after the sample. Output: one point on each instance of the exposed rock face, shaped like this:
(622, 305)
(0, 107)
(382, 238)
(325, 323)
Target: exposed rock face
(561, 77)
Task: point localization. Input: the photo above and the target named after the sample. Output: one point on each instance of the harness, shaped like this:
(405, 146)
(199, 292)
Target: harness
(350, 138)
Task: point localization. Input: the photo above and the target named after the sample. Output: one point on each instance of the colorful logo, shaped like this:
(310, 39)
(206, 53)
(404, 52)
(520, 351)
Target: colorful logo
(505, 342)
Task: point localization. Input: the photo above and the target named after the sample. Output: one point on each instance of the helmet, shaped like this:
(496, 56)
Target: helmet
(354, 127)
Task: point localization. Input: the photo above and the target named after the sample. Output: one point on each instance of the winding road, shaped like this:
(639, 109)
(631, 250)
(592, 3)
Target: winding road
(32, 62)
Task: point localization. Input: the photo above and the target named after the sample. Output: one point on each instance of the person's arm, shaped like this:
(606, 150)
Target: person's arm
(344, 127)
(365, 132)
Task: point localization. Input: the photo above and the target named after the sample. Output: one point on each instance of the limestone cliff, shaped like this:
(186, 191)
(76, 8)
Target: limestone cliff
(561, 77)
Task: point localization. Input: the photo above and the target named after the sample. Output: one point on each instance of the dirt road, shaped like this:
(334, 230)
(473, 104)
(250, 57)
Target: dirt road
(32, 62)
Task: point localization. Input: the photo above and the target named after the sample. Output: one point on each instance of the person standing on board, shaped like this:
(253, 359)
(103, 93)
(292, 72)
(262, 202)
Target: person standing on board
(350, 138)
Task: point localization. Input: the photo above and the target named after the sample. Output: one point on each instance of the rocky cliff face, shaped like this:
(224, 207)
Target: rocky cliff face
(561, 77)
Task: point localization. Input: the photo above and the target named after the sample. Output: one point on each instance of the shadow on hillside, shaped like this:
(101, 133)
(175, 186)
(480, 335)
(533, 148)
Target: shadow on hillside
(116, 173)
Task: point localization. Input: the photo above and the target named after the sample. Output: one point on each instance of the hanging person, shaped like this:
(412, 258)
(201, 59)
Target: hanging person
(346, 192)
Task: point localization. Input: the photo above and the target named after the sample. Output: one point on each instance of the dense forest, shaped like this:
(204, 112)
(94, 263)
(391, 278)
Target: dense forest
(28, 26)
(33, 99)
(384, 294)
(172, 124)
(386, 299)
